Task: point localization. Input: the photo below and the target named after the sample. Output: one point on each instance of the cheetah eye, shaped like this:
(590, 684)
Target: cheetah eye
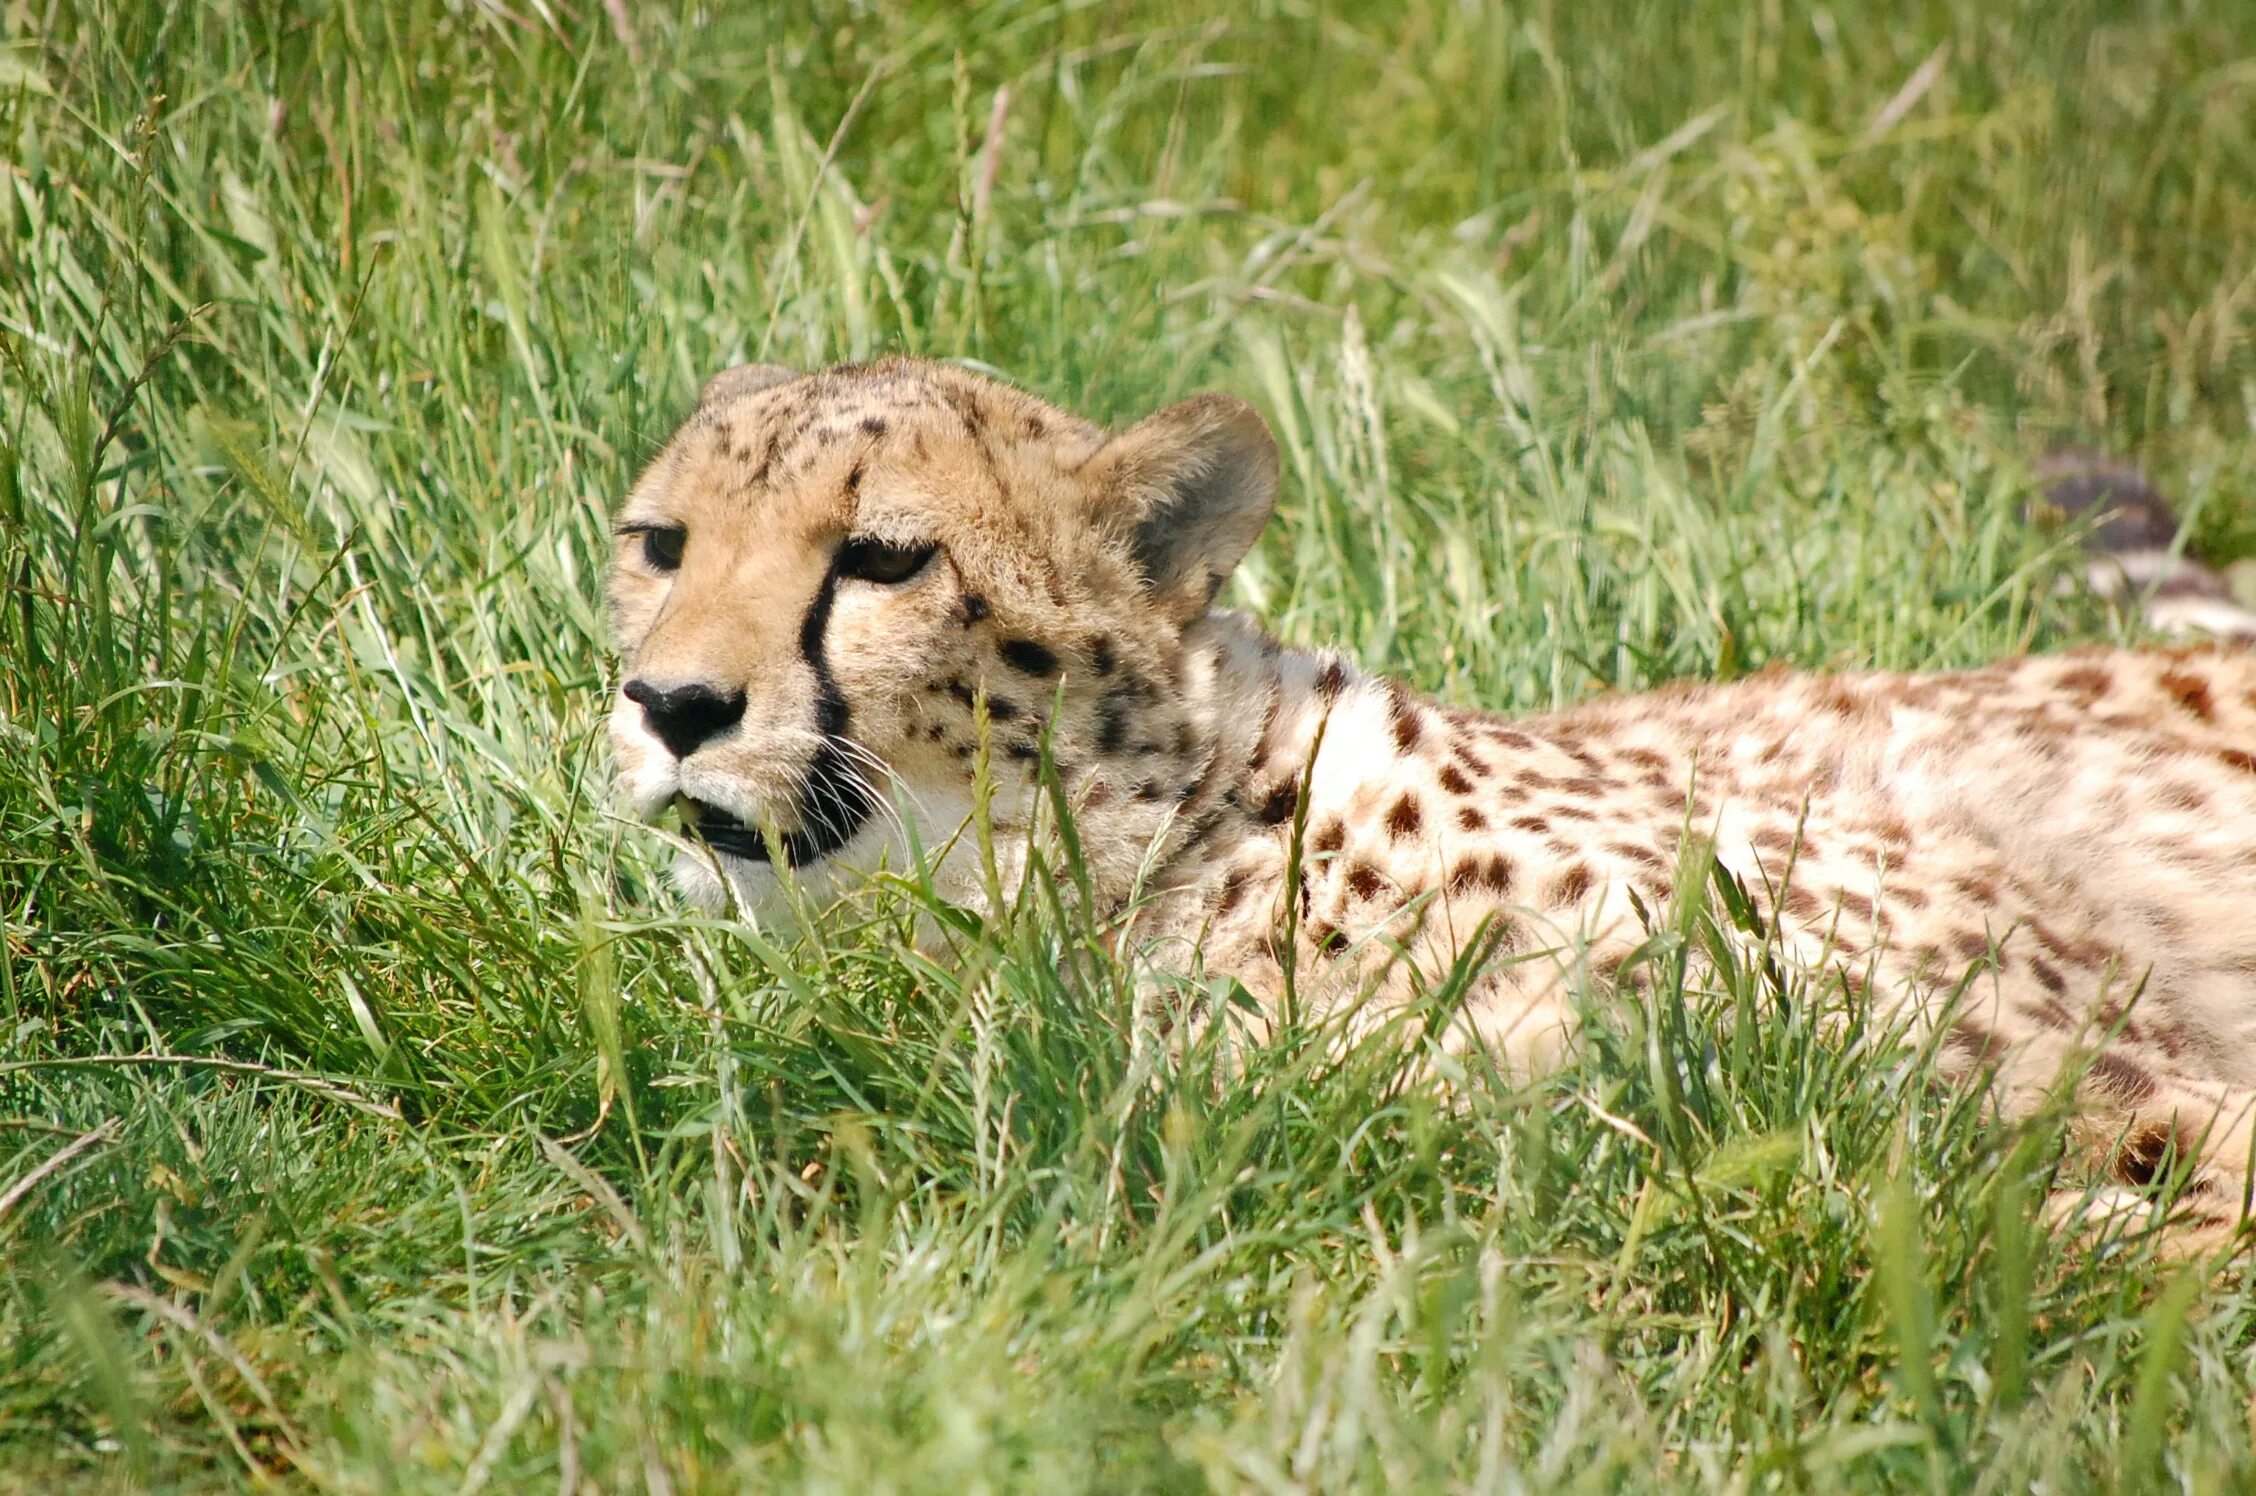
(866, 560)
(661, 544)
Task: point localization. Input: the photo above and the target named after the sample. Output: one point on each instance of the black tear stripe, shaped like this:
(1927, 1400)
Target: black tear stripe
(834, 801)
(830, 707)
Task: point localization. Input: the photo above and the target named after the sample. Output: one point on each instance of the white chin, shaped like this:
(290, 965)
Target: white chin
(753, 886)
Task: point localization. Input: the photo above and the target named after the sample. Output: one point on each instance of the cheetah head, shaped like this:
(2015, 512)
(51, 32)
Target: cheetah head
(841, 597)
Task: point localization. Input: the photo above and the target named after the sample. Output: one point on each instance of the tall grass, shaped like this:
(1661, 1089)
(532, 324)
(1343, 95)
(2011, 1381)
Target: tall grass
(372, 1120)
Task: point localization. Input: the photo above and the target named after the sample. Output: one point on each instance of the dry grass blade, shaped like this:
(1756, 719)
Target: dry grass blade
(55, 1163)
(317, 1085)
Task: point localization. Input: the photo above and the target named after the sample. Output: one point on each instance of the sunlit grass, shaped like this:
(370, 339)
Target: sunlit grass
(422, 1142)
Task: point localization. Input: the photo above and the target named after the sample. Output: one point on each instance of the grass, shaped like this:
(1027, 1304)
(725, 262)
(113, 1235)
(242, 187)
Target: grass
(371, 1119)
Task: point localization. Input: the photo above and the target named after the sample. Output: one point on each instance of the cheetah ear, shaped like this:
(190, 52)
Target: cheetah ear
(1195, 483)
(744, 379)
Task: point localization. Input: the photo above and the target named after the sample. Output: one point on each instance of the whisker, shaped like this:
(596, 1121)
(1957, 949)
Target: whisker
(829, 800)
(886, 806)
(880, 804)
(879, 766)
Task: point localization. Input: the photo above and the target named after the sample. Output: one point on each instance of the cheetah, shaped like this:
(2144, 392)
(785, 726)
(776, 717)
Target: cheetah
(862, 609)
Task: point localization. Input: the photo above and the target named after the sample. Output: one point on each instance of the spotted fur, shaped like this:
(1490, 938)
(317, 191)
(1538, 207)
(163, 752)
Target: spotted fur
(2055, 857)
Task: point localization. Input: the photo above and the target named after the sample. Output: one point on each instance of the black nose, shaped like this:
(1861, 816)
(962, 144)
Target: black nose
(685, 716)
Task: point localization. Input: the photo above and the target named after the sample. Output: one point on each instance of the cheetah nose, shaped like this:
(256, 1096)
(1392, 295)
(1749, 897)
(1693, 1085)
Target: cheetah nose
(685, 716)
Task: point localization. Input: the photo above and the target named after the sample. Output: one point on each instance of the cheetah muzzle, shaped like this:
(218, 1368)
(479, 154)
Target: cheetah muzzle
(859, 609)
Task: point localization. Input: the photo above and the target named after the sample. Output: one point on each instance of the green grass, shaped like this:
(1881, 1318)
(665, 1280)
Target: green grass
(428, 1146)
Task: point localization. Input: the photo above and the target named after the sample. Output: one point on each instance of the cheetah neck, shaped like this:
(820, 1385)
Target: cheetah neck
(1278, 723)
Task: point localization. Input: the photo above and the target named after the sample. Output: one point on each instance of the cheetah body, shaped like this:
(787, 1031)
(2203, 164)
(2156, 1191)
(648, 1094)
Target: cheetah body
(2054, 859)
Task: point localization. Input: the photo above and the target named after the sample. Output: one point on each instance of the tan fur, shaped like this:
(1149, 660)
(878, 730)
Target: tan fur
(2078, 833)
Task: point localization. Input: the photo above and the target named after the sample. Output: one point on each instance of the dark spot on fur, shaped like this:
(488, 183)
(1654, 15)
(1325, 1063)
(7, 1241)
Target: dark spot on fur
(1571, 884)
(2078, 951)
(1453, 780)
(1593, 767)
(1839, 700)
(975, 608)
(2087, 683)
(1327, 938)
(1020, 749)
(1277, 805)
(1112, 724)
(1364, 881)
(1407, 728)
(1631, 852)
(2048, 975)
(1470, 819)
(1329, 838)
(962, 692)
(1331, 680)
(1100, 655)
(2145, 1151)
(2182, 796)
(1403, 819)
(1027, 657)
(1233, 890)
(1147, 791)
(2190, 692)
(2120, 1079)
(2236, 758)
(1481, 875)
(1971, 944)
(874, 425)
(768, 459)
(1975, 1042)
(1535, 824)
(936, 732)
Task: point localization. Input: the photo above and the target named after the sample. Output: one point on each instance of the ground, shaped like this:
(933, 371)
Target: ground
(371, 1116)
